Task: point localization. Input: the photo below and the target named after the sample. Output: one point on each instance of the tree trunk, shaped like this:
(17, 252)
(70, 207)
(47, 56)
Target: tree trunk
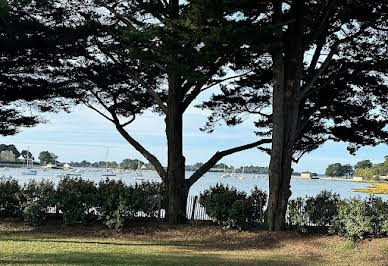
(177, 186)
(287, 55)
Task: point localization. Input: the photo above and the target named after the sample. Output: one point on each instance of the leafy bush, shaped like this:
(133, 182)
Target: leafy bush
(319, 210)
(322, 208)
(112, 203)
(145, 198)
(218, 201)
(358, 219)
(10, 202)
(116, 202)
(76, 198)
(257, 201)
(230, 207)
(36, 197)
(296, 214)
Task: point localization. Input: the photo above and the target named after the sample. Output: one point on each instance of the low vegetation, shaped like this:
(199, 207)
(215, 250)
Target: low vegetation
(374, 189)
(159, 244)
(115, 204)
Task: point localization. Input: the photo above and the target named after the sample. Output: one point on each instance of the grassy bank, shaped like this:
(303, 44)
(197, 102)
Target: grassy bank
(184, 245)
(374, 189)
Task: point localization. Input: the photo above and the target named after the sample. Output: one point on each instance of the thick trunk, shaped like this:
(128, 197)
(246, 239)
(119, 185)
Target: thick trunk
(285, 117)
(177, 186)
(287, 55)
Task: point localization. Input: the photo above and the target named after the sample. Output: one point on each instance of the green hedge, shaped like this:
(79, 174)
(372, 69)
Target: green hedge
(233, 208)
(81, 201)
(353, 218)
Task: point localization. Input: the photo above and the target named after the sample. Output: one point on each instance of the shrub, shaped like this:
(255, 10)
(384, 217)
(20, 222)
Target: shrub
(10, 203)
(296, 214)
(257, 201)
(230, 207)
(36, 197)
(358, 219)
(218, 201)
(322, 208)
(113, 203)
(145, 198)
(76, 198)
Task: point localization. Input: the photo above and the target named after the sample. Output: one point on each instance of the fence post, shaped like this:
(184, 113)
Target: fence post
(159, 207)
(193, 209)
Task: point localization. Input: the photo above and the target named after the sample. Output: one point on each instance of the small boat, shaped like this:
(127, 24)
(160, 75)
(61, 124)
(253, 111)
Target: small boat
(109, 174)
(31, 172)
(138, 170)
(73, 175)
(225, 174)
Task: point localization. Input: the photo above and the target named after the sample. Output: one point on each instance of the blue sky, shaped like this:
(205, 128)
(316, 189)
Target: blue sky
(83, 134)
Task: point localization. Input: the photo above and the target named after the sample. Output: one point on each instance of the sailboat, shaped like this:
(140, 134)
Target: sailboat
(107, 173)
(241, 177)
(225, 174)
(139, 174)
(30, 171)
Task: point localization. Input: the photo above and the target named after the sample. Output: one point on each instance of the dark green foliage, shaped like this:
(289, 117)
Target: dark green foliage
(218, 201)
(339, 170)
(229, 207)
(117, 202)
(363, 164)
(358, 219)
(257, 201)
(36, 197)
(146, 196)
(319, 210)
(46, 157)
(296, 214)
(374, 172)
(26, 43)
(112, 203)
(322, 208)
(4, 147)
(10, 203)
(76, 198)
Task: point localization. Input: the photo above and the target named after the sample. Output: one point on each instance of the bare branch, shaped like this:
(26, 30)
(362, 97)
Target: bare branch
(197, 90)
(308, 86)
(218, 156)
(128, 122)
(150, 157)
(139, 80)
(98, 111)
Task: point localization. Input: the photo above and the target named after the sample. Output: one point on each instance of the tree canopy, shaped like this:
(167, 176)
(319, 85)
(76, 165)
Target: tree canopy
(46, 157)
(125, 58)
(27, 42)
(363, 164)
(321, 77)
(339, 170)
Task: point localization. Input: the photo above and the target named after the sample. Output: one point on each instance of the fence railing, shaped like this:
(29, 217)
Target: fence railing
(194, 210)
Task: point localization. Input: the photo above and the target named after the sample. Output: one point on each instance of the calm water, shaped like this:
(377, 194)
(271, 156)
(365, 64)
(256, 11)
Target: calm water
(299, 187)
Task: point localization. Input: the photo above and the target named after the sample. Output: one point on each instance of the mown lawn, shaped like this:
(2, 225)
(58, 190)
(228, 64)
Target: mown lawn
(151, 244)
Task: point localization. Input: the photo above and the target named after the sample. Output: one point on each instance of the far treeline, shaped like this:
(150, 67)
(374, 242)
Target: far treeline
(135, 164)
(305, 71)
(365, 169)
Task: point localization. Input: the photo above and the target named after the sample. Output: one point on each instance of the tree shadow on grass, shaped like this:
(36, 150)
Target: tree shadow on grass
(90, 258)
(200, 238)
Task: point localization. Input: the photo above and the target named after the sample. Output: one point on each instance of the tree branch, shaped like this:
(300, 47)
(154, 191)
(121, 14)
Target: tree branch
(197, 90)
(139, 80)
(218, 156)
(150, 157)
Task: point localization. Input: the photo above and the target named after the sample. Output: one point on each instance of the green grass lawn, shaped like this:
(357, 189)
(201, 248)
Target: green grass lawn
(152, 244)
